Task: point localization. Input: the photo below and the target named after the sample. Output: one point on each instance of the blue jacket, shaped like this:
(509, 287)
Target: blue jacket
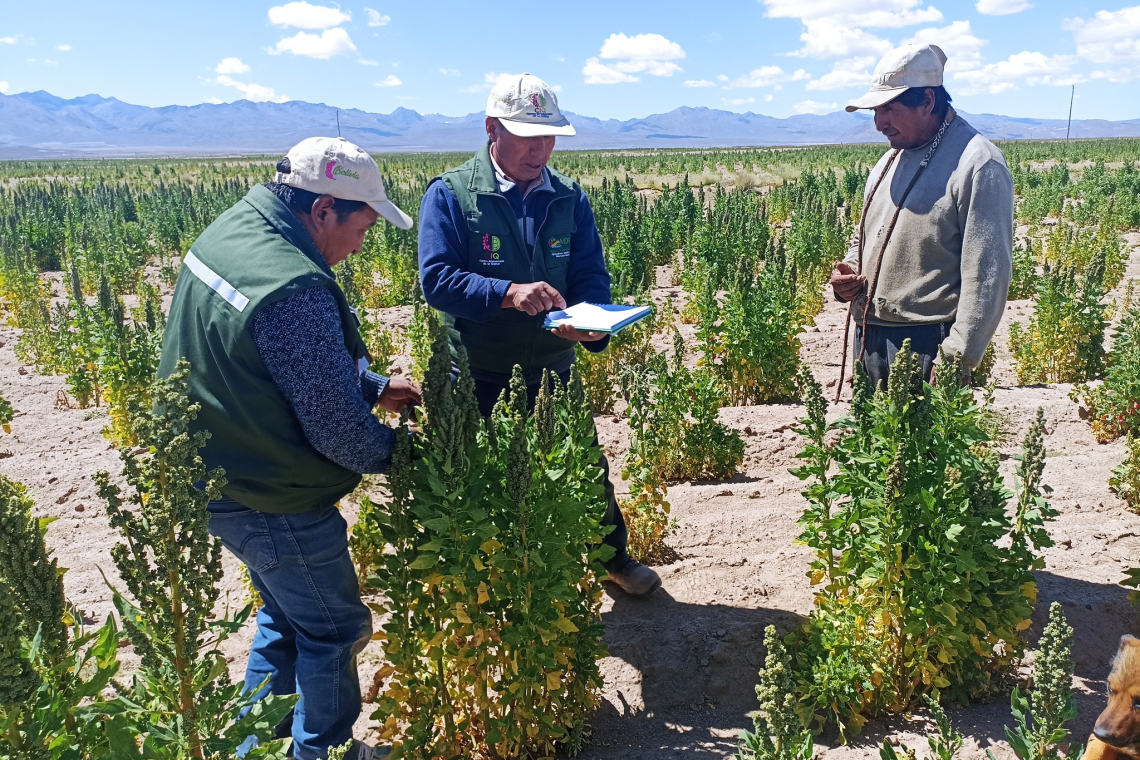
(453, 289)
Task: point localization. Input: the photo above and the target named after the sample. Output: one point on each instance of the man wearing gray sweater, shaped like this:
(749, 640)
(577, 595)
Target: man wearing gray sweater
(932, 258)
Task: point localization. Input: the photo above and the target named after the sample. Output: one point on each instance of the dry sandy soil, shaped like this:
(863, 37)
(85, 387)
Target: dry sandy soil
(683, 662)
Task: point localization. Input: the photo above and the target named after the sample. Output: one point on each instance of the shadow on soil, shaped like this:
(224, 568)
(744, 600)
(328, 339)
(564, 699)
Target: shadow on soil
(695, 667)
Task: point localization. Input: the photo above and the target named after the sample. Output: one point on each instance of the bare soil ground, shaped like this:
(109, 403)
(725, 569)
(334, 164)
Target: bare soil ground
(682, 667)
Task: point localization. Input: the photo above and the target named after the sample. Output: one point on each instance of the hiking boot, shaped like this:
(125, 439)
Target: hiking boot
(634, 578)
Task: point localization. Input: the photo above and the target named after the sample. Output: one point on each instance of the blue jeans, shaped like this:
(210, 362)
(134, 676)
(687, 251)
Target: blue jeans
(884, 342)
(312, 623)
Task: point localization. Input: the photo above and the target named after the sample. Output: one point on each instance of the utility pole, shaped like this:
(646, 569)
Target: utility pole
(1069, 126)
(338, 120)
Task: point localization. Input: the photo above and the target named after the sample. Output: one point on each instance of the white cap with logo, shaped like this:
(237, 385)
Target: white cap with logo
(334, 166)
(527, 107)
(899, 70)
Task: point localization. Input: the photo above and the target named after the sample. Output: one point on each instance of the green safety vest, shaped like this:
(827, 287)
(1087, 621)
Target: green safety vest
(254, 254)
(496, 248)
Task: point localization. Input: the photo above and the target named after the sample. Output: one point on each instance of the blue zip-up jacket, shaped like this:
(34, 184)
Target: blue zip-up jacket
(450, 287)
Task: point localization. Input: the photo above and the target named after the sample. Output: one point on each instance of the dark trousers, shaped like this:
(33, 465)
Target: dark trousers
(884, 342)
(487, 393)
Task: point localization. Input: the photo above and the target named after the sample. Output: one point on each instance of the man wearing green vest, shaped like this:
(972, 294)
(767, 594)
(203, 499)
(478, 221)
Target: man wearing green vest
(280, 371)
(504, 239)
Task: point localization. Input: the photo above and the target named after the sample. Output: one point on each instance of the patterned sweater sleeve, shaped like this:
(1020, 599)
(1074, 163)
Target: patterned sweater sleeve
(301, 342)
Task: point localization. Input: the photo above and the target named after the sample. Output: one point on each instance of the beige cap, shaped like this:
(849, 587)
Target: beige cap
(899, 70)
(334, 166)
(527, 107)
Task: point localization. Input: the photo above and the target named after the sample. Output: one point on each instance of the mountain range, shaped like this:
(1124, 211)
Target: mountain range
(42, 125)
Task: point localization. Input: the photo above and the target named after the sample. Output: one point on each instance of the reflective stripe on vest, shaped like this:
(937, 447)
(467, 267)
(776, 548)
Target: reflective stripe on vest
(216, 282)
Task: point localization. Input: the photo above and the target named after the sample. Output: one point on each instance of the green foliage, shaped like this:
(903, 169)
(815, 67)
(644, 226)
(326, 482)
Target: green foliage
(486, 553)
(778, 733)
(1113, 407)
(925, 580)
(943, 745)
(632, 346)
(1041, 716)
(1025, 278)
(1064, 342)
(181, 703)
(1125, 479)
(749, 340)
(50, 668)
(674, 435)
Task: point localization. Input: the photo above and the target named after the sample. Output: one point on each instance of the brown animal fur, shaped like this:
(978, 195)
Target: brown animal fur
(1116, 735)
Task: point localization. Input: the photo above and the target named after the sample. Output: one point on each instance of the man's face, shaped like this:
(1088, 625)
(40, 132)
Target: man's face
(337, 240)
(905, 127)
(521, 158)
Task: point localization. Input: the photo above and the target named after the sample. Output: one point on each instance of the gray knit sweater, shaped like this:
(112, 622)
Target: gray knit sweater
(950, 256)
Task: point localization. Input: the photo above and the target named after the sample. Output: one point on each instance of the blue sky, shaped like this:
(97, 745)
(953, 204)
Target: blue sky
(609, 58)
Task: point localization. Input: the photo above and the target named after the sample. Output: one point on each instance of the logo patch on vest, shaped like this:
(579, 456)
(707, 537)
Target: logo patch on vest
(559, 247)
(491, 246)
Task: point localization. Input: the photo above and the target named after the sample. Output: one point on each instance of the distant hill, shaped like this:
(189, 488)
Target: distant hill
(41, 125)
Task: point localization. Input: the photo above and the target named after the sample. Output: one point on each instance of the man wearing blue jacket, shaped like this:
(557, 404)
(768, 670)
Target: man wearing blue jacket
(505, 239)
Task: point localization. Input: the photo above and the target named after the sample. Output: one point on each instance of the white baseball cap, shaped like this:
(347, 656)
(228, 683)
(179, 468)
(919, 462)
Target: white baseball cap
(899, 70)
(527, 107)
(334, 166)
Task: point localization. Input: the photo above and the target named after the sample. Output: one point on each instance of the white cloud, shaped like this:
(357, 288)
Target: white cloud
(766, 76)
(214, 100)
(1117, 76)
(376, 18)
(641, 54)
(597, 72)
(737, 101)
(231, 66)
(367, 62)
(490, 79)
(302, 15)
(8, 40)
(64, 48)
(815, 107)
(329, 43)
(4, 87)
(1001, 7)
(1021, 68)
(830, 38)
(1109, 36)
(390, 81)
(255, 92)
(50, 62)
(721, 78)
(768, 98)
(963, 50)
(845, 74)
(698, 83)
(641, 47)
(449, 72)
(874, 13)
(834, 28)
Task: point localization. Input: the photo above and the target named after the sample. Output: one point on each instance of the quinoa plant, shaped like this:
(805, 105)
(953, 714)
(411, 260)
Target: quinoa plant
(1041, 715)
(180, 704)
(674, 435)
(1064, 342)
(488, 553)
(1113, 407)
(51, 670)
(1125, 479)
(925, 580)
(777, 733)
(944, 744)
